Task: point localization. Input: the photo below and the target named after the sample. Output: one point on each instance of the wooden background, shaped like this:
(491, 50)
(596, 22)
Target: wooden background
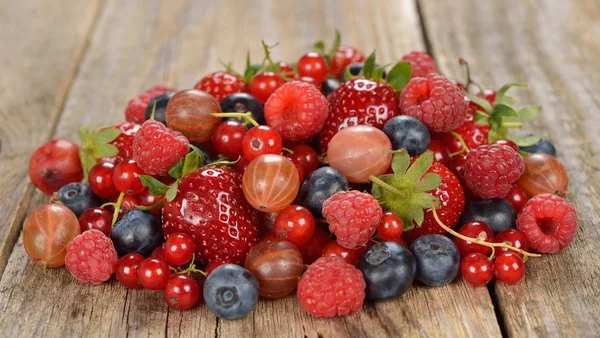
(68, 63)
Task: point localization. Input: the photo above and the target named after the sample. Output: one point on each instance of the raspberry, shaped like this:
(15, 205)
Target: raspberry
(157, 148)
(491, 170)
(296, 110)
(435, 101)
(220, 85)
(353, 217)
(134, 112)
(548, 223)
(421, 64)
(331, 287)
(91, 257)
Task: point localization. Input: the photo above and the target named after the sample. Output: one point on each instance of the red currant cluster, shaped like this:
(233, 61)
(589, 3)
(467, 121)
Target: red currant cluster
(334, 177)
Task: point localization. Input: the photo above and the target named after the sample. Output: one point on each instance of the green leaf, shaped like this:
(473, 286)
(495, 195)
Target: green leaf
(509, 101)
(524, 141)
(274, 67)
(176, 171)
(172, 191)
(429, 182)
(84, 133)
(378, 73)
(400, 162)
(155, 186)
(501, 110)
(523, 153)
(87, 162)
(425, 200)
(502, 91)
(483, 103)
(417, 214)
(319, 47)
(107, 135)
(337, 40)
(369, 66)
(347, 74)
(250, 71)
(528, 113)
(190, 163)
(419, 167)
(399, 75)
(105, 150)
(482, 118)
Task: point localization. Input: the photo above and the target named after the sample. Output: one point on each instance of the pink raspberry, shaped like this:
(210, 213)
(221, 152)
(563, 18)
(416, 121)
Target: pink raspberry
(331, 287)
(157, 148)
(434, 100)
(134, 112)
(353, 217)
(491, 170)
(548, 222)
(421, 63)
(91, 257)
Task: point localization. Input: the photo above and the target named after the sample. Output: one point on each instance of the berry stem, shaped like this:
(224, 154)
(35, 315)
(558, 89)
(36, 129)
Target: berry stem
(246, 116)
(153, 110)
(403, 195)
(469, 80)
(290, 151)
(477, 240)
(117, 207)
(191, 268)
(465, 148)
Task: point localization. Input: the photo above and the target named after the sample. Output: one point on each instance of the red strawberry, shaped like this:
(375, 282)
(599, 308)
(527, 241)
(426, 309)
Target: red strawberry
(210, 206)
(124, 142)
(134, 112)
(220, 84)
(343, 57)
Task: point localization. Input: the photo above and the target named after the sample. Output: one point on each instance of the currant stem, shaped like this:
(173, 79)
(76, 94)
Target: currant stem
(153, 110)
(469, 81)
(246, 116)
(401, 194)
(465, 148)
(191, 268)
(290, 151)
(117, 207)
(107, 204)
(478, 241)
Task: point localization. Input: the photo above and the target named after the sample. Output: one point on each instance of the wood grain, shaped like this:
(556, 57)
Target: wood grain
(552, 46)
(137, 44)
(43, 44)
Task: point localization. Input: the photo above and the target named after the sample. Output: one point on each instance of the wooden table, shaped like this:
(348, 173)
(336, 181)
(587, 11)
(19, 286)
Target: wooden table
(78, 62)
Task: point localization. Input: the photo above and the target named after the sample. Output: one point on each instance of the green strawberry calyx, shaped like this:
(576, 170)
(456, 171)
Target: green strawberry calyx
(397, 77)
(95, 144)
(405, 192)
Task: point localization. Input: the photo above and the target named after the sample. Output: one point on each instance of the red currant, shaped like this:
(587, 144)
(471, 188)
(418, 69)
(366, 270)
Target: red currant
(286, 71)
(100, 180)
(475, 229)
(153, 273)
(126, 178)
(159, 253)
(179, 248)
(333, 249)
(126, 270)
(440, 152)
(509, 268)
(517, 197)
(182, 292)
(227, 138)
(261, 140)
(390, 228)
(313, 65)
(299, 167)
(313, 248)
(145, 198)
(307, 156)
(311, 81)
(477, 269)
(241, 165)
(295, 224)
(509, 143)
(512, 237)
(96, 218)
(264, 84)
(212, 266)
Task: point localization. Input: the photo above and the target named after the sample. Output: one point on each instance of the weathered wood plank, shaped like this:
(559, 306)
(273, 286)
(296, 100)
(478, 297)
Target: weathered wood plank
(140, 43)
(43, 46)
(552, 46)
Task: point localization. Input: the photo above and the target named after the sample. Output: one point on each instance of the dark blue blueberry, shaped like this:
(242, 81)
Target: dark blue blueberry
(230, 291)
(329, 86)
(438, 259)
(355, 69)
(78, 197)
(495, 212)
(161, 107)
(389, 270)
(138, 231)
(542, 146)
(243, 103)
(407, 132)
(319, 186)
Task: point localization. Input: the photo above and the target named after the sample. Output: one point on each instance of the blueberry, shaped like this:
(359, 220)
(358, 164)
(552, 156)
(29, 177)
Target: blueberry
(161, 107)
(138, 231)
(495, 212)
(319, 186)
(230, 291)
(407, 132)
(329, 86)
(355, 69)
(78, 197)
(243, 103)
(542, 146)
(389, 270)
(437, 259)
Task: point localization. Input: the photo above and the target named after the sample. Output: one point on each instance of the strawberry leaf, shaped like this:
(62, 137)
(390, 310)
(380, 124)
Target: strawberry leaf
(155, 186)
(419, 167)
(172, 191)
(482, 118)
(528, 113)
(347, 74)
(483, 103)
(424, 201)
(502, 110)
(105, 150)
(369, 66)
(378, 73)
(502, 91)
(400, 162)
(87, 162)
(176, 171)
(417, 214)
(319, 47)
(107, 135)
(337, 40)
(190, 163)
(399, 75)
(84, 133)
(524, 141)
(429, 182)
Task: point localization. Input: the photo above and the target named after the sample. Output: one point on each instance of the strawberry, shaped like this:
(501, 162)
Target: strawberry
(414, 188)
(210, 206)
(220, 84)
(125, 141)
(338, 57)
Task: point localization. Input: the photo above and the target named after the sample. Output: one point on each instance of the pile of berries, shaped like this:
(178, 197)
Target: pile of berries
(334, 177)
